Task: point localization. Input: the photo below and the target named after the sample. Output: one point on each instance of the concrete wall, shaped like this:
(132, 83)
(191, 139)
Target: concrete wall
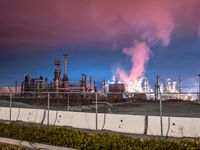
(150, 125)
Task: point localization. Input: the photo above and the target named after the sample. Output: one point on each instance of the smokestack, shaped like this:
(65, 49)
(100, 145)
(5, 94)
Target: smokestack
(26, 83)
(65, 64)
(57, 71)
(83, 80)
(95, 87)
(104, 86)
(65, 78)
(57, 75)
(90, 84)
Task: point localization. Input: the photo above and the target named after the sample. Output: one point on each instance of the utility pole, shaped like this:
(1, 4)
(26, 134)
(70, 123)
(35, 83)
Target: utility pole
(159, 97)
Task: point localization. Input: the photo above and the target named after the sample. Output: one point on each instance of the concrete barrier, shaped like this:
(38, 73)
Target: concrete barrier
(4, 113)
(154, 125)
(150, 125)
(30, 115)
(122, 123)
(184, 127)
(22, 114)
(174, 126)
(114, 122)
(73, 119)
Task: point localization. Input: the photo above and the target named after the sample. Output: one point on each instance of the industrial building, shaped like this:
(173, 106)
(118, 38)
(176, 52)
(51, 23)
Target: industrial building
(117, 87)
(111, 91)
(58, 84)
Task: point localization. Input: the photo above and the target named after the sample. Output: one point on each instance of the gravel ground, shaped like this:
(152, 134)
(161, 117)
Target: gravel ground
(177, 109)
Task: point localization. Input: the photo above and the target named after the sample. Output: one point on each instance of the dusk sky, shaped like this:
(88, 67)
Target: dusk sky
(127, 38)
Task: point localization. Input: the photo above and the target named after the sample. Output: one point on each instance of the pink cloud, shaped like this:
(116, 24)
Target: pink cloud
(150, 22)
(103, 23)
(108, 24)
(198, 32)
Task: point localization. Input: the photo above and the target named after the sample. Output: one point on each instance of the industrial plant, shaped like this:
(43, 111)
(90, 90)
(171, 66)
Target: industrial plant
(111, 96)
(111, 91)
(59, 84)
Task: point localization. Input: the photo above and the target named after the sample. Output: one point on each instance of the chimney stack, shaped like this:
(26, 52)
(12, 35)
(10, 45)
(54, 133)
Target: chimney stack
(65, 77)
(65, 64)
(90, 84)
(57, 75)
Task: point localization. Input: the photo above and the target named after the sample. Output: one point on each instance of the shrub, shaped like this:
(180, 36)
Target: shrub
(90, 141)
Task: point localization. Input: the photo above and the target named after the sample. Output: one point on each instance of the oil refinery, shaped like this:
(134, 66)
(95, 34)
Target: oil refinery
(114, 90)
(59, 84)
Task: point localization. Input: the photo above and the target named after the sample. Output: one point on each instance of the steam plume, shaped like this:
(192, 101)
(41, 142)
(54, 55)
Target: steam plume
(139, 56)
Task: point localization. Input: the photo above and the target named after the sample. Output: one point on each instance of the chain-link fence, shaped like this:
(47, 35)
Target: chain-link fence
(166, 113)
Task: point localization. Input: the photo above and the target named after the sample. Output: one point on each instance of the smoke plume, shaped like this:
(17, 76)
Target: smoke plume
(139, 56)
(156, 31)
(148, 24)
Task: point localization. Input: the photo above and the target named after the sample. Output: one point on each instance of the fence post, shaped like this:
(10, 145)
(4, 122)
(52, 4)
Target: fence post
(161, 121)
(96, 111)
(68, 102)
(48, 108)
(10, 117)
